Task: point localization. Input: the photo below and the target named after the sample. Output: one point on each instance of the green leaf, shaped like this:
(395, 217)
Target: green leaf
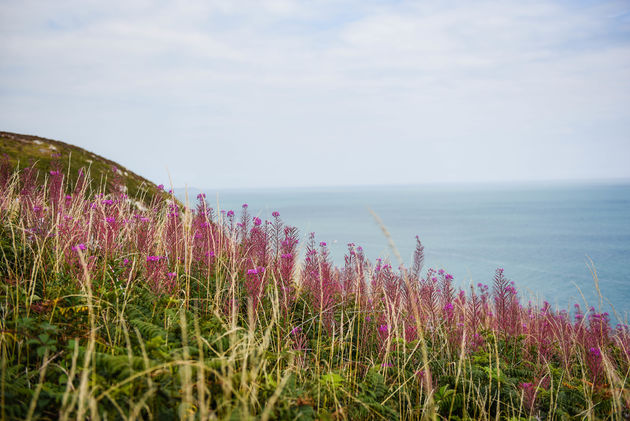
(332, 379)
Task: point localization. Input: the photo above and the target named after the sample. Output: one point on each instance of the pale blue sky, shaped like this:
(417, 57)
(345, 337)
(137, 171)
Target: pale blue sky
(301, 93)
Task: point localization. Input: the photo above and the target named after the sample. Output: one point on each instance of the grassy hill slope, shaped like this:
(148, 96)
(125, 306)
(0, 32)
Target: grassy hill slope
(24, 150)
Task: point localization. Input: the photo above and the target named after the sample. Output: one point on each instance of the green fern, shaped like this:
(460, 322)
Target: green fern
(148, 330)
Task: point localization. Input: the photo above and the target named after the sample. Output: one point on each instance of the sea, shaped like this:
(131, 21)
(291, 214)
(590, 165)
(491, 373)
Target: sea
(564, 243)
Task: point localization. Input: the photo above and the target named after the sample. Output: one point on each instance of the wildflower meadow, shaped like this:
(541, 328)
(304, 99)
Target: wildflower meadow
(117, 307)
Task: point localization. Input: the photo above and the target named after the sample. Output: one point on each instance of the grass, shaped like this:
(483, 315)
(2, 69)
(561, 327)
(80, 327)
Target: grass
(25, 150)
(114, 312)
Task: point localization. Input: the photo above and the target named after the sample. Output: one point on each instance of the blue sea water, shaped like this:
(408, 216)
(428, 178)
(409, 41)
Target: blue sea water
(544, 235)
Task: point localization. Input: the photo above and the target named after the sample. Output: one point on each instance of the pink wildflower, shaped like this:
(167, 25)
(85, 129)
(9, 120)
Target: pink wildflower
(79, 246)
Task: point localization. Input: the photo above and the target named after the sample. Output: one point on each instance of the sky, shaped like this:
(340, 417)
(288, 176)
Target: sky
(286, 93)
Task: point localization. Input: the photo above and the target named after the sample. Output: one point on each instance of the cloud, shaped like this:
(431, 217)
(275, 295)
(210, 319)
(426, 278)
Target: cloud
(489, 90)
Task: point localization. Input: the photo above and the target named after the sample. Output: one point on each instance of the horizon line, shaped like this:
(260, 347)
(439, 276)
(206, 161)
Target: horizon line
(503, 183)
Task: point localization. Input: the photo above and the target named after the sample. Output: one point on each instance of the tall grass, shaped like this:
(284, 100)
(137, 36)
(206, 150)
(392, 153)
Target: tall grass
(111, 310)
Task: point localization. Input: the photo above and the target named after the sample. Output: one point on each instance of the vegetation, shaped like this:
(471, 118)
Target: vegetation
(46, 154)
(110, 311)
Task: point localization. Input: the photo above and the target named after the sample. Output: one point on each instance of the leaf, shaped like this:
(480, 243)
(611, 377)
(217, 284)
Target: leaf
(495, 374)
(332, 379)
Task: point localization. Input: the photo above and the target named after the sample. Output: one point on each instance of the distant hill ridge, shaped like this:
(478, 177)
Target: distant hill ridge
(25, 150)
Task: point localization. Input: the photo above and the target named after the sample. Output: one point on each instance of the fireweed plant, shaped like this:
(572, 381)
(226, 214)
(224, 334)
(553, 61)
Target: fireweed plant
(115, 310)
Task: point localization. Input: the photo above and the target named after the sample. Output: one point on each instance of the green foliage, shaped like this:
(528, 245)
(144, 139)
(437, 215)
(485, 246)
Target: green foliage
(148, 330)
(373, 391)
(16, 259)
(117, 347)
(332, 380)
(42, 153)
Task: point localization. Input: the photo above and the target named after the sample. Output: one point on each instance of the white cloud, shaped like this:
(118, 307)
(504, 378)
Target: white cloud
(490, 88)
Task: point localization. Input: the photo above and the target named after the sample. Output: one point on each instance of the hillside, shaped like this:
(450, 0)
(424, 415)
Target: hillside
(23, 150)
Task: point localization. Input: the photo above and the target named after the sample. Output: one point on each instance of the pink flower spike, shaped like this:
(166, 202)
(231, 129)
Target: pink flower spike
(79, 246)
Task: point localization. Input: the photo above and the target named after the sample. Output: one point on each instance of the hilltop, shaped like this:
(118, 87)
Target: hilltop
(24, 150)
